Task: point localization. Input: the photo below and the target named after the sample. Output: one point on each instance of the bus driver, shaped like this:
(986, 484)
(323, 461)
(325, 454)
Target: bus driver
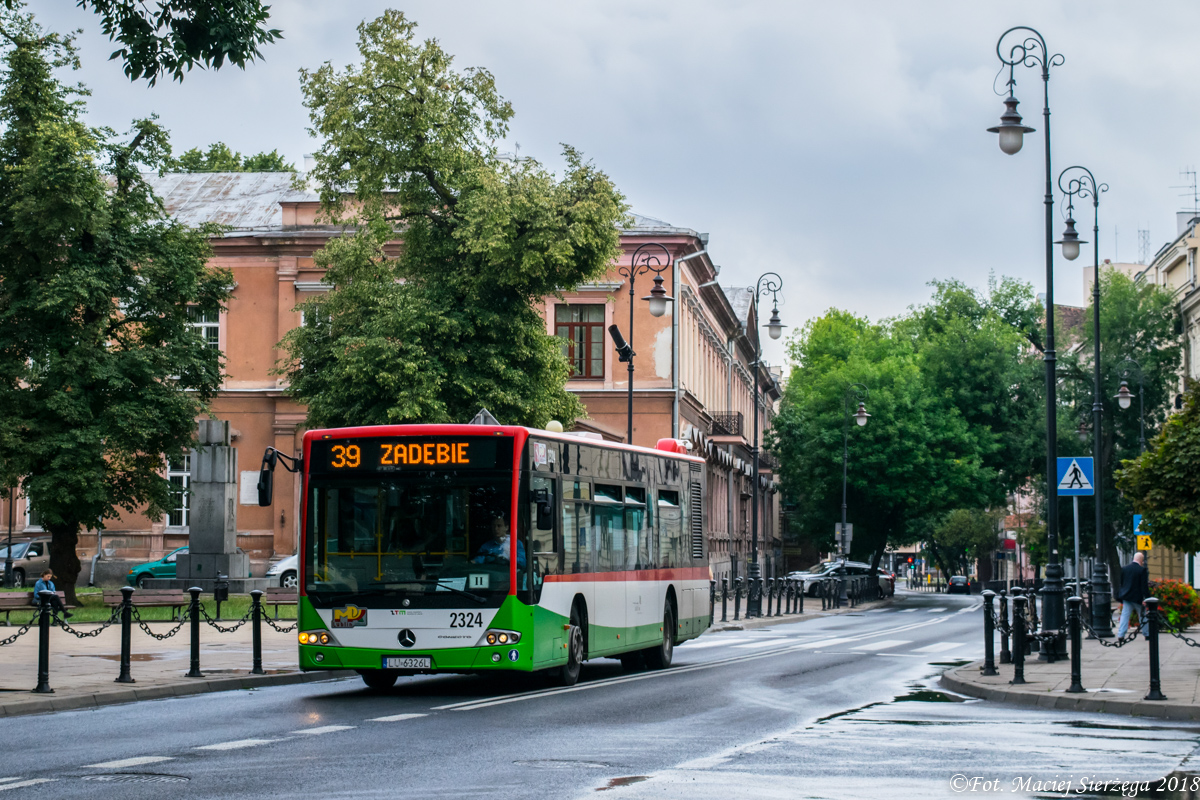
(496, 549)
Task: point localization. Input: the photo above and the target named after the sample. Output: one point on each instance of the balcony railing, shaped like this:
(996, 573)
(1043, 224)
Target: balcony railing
(727, 424)
(767, 461)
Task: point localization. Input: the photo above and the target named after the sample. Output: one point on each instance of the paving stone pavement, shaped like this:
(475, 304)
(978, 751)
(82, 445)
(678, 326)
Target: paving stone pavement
(83, 671)
(1117, 680)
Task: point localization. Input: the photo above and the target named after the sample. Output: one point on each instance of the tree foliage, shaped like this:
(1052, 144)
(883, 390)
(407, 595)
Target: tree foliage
(220, 157)
(950, 388)
(103, 375)
(1163, 483)
(1140, 321)
(447, 323)
(169, 37)
(958, 537)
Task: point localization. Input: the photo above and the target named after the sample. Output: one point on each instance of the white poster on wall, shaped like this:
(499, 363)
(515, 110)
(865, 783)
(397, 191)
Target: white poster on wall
(249, 488)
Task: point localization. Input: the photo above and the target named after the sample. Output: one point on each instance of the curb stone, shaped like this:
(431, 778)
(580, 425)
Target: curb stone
(1061, 701)
(764, 622)
(46, 704)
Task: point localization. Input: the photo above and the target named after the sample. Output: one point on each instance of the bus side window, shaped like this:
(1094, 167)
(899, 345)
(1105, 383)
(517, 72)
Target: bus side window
(669, 528)
(637, 555)
(542, 511)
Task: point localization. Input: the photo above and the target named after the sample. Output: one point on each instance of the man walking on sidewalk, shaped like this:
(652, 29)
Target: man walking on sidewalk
(1135, 588)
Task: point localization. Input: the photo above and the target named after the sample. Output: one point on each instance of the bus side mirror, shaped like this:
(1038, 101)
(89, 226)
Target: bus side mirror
(266, 475)
(545, 510)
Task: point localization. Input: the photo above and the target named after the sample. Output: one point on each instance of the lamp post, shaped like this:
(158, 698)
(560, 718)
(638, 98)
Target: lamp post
(768, 282)
(646, 259)
(8, 559)
(1030, 50)
(1124, 397)
(1082, 183)
(860, 393)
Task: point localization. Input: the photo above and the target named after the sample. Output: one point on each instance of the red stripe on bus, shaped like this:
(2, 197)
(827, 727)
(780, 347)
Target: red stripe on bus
(675, 574)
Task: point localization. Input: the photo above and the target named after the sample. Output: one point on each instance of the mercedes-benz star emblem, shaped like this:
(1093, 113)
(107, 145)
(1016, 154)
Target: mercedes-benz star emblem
(407, 638)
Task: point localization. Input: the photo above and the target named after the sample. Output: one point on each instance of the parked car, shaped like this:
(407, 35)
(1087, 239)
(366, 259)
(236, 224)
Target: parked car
(286, 572)
(30, 557)
(836, 569)
(163, 568)
(958, 584)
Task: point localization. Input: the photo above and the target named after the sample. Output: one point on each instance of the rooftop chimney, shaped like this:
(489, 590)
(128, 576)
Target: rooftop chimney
(1183, 220)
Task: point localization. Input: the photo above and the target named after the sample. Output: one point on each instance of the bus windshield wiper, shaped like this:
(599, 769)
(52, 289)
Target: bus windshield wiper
(456, 590)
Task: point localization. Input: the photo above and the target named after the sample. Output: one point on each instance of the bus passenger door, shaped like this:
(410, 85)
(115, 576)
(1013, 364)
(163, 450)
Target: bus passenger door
(546, 557)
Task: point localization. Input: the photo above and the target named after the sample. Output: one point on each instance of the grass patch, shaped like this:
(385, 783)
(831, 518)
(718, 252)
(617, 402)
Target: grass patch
(92, 609)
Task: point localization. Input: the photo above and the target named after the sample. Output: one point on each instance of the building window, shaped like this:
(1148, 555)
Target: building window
(179, 472)
(33, 520)
(207, 325)
(582, 330)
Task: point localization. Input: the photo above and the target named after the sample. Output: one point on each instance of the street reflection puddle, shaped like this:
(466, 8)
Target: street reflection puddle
(928, 696)
(961, 663)
(615, 782)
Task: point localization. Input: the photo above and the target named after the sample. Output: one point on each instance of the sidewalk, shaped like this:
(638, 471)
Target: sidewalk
(82, 671)
(1116, 679)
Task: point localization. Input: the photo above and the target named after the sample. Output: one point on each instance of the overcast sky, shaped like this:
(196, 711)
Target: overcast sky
(841, 144)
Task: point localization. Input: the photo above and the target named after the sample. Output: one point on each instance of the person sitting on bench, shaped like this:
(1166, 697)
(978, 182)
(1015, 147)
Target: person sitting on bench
(46, 584)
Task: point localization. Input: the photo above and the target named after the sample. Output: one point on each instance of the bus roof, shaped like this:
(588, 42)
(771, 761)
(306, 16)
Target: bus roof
(482, 430)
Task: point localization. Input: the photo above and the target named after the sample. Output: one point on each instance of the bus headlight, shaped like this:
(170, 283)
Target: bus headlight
(501, 637)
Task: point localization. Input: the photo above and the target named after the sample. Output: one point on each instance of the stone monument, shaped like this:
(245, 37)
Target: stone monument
(212, 518)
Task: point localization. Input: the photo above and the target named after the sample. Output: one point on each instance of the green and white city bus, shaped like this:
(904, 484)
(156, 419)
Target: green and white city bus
(408, 541)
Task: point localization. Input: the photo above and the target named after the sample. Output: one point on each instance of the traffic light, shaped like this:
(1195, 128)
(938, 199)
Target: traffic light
(910, 559)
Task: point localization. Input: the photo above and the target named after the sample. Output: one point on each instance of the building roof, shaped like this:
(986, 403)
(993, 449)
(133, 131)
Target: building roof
(243, 201)
(741, 298)
(644, 224)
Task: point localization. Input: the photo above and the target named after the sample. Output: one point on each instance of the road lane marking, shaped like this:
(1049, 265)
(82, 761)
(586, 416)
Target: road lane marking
(756, 645)
(129, 762)
(22, 784)
(878, 610)
(907, 610)
(886, 644)
(396, 717)
(238, 744)
(325, 729)
(936, 610)
(471, 705)
(939, 647)
(691, 644)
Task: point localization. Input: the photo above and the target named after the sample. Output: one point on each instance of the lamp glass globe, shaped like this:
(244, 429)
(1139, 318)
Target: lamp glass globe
(1011, 139)
(1070, 250)
(774, 331)
(658, 306)
(1125, 400)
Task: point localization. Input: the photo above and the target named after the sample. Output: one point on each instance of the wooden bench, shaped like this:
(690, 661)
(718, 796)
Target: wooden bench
(280, 596)
(22, 601)
(174, 599)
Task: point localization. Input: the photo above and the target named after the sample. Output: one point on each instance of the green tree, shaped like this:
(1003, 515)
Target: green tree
(960, 536)
(220, 158)
(103, 376)
(447, 323)
(175, 35)
(1137, 320)
(1164, 482)
(915, 457)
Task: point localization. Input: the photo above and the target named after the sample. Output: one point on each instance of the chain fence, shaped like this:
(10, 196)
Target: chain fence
(230, 628)
(277, 627)
(183, 619)
(113, 618)
(21, 632)
(1165, 627)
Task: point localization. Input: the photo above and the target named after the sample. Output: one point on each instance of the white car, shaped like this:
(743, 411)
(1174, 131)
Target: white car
(286, 571)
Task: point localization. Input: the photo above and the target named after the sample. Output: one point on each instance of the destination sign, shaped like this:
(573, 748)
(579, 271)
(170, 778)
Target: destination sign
(386, 454)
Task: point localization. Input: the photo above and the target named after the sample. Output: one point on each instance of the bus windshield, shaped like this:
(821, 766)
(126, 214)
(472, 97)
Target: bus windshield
(433, 539)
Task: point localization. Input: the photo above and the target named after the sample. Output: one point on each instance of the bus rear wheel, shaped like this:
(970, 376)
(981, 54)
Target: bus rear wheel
(660, 657)
(379, 679)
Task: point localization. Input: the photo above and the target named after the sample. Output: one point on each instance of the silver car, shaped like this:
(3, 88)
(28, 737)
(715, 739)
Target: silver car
(29, 558)
(286, 572)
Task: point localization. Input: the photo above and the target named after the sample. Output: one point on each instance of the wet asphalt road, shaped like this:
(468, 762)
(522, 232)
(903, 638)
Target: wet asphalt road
(838, 707)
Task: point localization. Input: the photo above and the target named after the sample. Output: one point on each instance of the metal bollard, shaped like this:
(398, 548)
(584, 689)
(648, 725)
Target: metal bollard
(1019, 642)
(43, 679)
(989, 636)
(724, 598)
(1005, 653)
(737, 598)
(194, 611)
(800, 597)
(1155, 678)
(1073, 618)
(779, 597)
(712, 600)
(126, 630)
(256, 630)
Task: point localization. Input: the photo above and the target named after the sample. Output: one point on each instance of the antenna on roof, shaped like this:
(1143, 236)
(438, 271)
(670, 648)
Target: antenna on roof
(1143, 245)
(1189, 174)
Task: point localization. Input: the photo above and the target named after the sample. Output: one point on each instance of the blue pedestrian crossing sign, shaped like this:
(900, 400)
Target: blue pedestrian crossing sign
(1075, 477)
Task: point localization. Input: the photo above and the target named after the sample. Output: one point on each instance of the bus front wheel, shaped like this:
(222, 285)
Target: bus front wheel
(568, 674)
(660, 657)
(379, 679)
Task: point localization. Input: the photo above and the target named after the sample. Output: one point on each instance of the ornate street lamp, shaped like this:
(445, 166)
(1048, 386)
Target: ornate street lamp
(1082, 183)
(1124, 397)
(646, 259)
(1028, 48)
(771, 283)
(860, 393)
